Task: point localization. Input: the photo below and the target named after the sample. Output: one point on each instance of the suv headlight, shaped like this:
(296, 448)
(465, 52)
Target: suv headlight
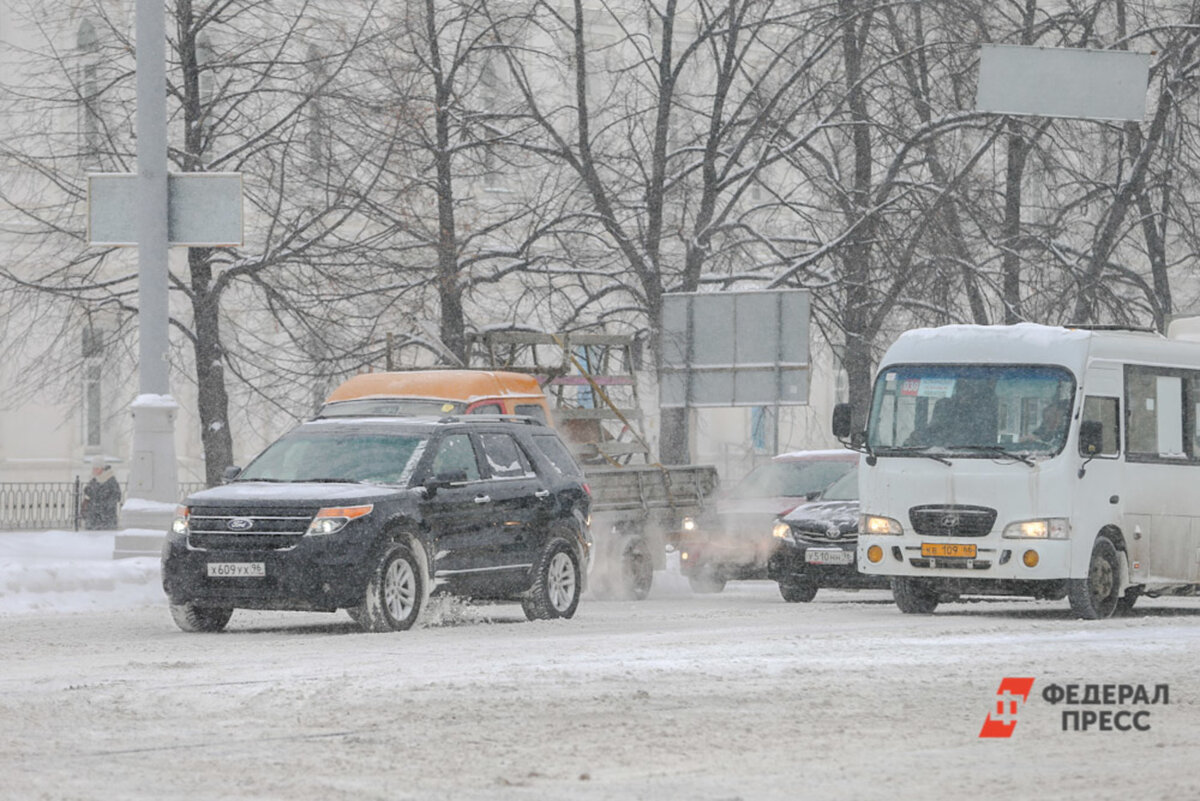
(782, 531)
(179, 526)
(334, 518)
(874, 524)
(1047, 528)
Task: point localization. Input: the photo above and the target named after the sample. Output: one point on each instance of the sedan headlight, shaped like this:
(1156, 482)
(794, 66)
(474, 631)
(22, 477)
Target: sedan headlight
(1048, 528)
(179, 526)
(874, 524)
(334, 518)
(782, 531)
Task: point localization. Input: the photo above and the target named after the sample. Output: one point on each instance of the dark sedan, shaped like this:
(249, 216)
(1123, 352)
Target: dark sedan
(816, 545)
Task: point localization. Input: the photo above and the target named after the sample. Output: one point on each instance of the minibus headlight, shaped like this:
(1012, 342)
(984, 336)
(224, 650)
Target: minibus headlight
(1048, 528)
(782, 531)
(331, 519)
(873, 524)
(688, 524)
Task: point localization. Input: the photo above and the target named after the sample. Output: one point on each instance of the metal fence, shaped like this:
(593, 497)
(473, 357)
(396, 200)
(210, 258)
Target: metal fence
(34, 505)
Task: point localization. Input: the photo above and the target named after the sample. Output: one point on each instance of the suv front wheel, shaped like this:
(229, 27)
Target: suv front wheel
(557, 583)
(394, 593)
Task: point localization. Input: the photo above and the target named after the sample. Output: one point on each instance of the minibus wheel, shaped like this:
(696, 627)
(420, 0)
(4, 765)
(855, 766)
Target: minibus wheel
(914, 596)
(1096, 597)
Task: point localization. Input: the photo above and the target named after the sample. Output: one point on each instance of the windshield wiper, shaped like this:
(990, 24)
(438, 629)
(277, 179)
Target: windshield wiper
(919, 450)
(329, 481)
(999, 450)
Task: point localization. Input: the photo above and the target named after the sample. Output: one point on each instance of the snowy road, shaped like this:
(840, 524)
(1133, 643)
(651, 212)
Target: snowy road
(736, 695)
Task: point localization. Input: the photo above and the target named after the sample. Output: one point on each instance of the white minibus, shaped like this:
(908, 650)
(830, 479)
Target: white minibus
(1032, 460)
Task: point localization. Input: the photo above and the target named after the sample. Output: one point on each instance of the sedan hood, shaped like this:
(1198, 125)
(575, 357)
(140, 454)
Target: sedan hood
(825, 519)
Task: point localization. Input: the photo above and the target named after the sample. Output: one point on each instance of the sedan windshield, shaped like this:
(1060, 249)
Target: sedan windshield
(985, 411)
(791, 478)
(357, 457)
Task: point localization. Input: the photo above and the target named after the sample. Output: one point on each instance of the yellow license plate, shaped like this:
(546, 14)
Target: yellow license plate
(953, 550)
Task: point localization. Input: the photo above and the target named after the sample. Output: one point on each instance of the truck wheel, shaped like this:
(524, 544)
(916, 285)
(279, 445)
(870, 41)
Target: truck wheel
(706, 584)
(637, 570)
(914, 596)
(801, 591)
(556, 583)
(394, 593)
(191, 617)
(1096, 597)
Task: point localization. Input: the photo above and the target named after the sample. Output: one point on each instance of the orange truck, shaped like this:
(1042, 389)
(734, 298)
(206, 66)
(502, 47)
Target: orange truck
(635, 508)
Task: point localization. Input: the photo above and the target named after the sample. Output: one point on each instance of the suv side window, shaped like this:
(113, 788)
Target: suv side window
(504, 456)
(557, 453)
(455, 453)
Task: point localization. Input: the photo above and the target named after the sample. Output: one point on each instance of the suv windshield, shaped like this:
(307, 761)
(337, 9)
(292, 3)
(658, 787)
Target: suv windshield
(971, 410)
(791, 478)
(311, 455)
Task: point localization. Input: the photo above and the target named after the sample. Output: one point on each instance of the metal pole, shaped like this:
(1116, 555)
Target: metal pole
(153, 472)
(152, 197)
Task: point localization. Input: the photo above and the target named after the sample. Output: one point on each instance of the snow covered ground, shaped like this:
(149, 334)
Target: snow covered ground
(729, 696)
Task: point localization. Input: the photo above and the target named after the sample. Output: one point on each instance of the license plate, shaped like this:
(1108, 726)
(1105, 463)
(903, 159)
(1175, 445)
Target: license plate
(829, 556)
(237, 569)
(952, 550)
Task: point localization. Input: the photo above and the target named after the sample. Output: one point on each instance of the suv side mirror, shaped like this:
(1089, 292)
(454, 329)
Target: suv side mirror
(231, 472)
(442, 480)
(841, 420)
(1091, 437)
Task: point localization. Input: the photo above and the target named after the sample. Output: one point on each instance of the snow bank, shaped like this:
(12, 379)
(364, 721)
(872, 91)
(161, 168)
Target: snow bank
(70, 571)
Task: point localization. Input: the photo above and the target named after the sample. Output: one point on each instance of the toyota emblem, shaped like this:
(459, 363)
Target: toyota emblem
(240, 524)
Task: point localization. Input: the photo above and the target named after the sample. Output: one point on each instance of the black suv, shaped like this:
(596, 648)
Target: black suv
(371, 514)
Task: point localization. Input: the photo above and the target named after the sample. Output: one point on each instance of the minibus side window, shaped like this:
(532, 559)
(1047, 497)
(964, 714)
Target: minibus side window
(1105, 412)
(1155, 413)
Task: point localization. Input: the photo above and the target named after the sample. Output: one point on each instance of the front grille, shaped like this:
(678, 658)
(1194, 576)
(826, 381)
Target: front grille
(952, 520)
(269, 530)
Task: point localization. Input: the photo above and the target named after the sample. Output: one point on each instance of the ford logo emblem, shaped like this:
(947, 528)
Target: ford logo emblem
(240, 524)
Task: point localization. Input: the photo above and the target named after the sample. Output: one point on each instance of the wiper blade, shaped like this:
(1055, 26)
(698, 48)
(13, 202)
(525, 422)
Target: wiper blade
(918, 450)
(999, 450)
(329, 481)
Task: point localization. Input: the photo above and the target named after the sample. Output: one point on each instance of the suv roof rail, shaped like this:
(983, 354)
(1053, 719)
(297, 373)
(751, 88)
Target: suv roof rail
(491, 418)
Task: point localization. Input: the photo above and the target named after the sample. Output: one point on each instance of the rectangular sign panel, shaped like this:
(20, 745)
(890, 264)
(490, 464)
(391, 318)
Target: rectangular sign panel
(1063, 82)
(735, 348)
(204, 209)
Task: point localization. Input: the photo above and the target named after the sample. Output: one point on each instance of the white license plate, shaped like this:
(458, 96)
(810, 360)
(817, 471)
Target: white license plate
(237, 569)
(828, 556)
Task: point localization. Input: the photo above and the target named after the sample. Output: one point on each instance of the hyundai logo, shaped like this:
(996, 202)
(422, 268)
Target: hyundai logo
(240, 523)
(949, 522)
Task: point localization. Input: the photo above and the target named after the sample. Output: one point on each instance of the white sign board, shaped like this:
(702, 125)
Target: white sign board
(204, 209)
(1063, 82)
(735, 348)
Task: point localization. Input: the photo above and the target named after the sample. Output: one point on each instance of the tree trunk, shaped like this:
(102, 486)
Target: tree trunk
(212, 399)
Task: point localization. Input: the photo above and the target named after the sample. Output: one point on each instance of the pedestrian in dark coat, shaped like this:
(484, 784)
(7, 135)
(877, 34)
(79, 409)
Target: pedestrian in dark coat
(101, 498)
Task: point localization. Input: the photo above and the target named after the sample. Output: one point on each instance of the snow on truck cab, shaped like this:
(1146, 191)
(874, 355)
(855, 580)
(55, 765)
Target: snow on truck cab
(426, 392)
(1032, 460)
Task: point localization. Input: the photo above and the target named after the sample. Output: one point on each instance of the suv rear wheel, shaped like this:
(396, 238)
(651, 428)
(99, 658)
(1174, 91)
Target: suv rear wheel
(394, 593)
(557, 583)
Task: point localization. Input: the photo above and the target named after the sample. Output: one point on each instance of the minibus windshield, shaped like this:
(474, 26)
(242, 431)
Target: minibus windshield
(971, 410)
